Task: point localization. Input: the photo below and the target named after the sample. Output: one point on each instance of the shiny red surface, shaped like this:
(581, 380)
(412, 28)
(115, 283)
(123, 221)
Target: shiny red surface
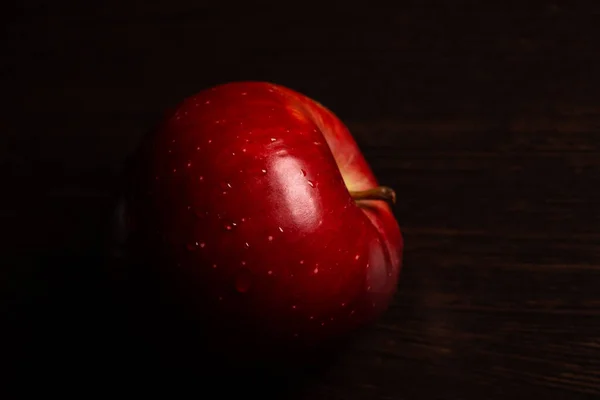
(243, 190)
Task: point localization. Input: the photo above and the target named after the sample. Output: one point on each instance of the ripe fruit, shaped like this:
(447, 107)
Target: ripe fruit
(256, 201)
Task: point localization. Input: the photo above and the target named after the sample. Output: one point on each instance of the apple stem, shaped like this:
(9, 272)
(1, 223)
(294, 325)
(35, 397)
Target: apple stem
(378, 193)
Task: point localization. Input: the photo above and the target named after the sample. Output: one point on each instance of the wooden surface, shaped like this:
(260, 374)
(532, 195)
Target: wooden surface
(485, 119)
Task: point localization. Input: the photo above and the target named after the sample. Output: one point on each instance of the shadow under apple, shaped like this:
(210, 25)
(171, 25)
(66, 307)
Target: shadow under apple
(86, 329)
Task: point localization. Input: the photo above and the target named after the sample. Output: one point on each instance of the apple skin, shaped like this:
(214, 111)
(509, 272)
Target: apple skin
(241, 197)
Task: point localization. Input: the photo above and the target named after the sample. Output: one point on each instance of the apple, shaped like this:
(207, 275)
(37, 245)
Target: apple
(257, 204)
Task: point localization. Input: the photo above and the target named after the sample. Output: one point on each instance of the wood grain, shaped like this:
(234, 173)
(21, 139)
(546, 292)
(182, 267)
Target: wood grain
(485, 119)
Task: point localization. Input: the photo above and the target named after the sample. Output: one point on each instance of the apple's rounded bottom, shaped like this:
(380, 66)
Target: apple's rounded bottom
(181, 332)
(231, 340)
(181, 324)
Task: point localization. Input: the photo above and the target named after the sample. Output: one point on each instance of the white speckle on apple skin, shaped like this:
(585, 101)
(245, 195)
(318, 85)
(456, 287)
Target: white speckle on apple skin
(264, 171)
(214, 265)
(316, 270)
(281, 229)
(200, 178)
(356, 257)
(270, 272)
(270, 238)
(273, 139)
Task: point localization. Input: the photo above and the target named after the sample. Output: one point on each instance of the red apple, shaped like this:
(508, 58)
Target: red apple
(259, 201)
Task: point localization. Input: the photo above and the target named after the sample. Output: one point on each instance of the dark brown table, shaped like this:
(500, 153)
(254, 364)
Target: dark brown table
(485, 119)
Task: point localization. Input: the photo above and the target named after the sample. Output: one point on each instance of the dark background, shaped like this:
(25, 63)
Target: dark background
(486, 120)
